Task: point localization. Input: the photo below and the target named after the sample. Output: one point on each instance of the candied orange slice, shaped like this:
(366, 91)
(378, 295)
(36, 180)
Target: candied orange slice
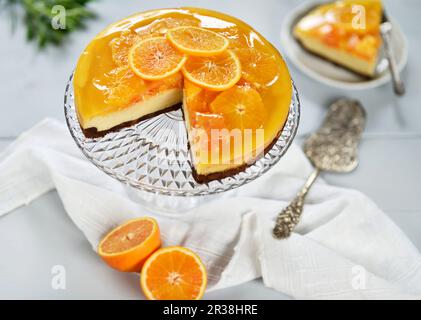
(155, 58)
(236, 37)
(120, 47)
(242, 108)
(173, 273)
(191, 91)
(197, 98)
(122, 86)
(216, 73)
(127, 247)
(258, 67)
(160, 27)
(197, 41)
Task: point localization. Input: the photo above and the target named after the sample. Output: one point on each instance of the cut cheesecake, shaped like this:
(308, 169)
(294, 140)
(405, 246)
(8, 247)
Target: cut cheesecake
(345, 32)
(232, 84)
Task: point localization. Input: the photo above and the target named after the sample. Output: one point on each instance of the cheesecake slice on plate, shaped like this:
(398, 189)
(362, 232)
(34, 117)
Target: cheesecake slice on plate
(345, 32)
(233, 86)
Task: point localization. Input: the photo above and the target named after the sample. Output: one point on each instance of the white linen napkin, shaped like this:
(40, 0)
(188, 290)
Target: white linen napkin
(344, 247)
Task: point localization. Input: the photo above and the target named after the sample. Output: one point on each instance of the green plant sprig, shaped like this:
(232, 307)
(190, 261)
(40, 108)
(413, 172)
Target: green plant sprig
(37, 15)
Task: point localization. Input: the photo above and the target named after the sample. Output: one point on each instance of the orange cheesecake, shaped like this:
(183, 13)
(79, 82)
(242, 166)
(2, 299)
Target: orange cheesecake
(231, 83)
(345, 32)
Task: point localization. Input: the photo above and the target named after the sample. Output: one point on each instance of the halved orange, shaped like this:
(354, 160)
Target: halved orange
(127, 247)
(217, 73)
(197, 41)
(258, 67)
(242, 108)
(173, 273)
(155, 58)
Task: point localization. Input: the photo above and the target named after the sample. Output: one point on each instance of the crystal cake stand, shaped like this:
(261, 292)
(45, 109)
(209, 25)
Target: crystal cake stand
(152, 157)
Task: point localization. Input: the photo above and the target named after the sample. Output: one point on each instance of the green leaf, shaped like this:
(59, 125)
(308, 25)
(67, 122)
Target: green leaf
(37, 15)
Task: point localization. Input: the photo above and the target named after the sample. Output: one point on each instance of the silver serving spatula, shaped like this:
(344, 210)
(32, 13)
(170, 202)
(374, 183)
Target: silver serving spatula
(386, 33)
(334, 148)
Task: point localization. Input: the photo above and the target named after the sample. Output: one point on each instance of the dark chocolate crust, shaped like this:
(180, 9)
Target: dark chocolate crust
(94, 133)
(362, 75)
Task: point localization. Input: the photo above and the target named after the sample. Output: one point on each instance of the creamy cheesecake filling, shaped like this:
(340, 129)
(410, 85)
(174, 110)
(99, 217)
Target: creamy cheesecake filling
(338, 56)
(136, 111)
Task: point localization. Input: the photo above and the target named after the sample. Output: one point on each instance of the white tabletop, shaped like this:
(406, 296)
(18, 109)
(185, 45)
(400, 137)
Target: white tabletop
(35, 238)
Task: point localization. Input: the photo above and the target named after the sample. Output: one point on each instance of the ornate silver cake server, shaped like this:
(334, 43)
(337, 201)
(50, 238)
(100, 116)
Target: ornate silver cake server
(334, 148)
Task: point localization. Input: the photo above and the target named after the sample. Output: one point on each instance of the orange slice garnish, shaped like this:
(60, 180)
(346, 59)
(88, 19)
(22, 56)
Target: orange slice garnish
(258, 67)
(120, 47)
(155, 58)
(236, 37)
(122, 86)
(216, 73)
(197, 41)
(173, 273)
(242, 108)
(160, 27)
(197, 98)
(127, 247)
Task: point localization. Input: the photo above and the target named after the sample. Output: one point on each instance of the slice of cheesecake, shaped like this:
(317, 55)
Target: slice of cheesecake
(345, 32)
(140, 100)
(232, 84)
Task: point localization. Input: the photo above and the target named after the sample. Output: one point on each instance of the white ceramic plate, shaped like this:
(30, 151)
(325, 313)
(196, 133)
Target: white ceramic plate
(328, 73)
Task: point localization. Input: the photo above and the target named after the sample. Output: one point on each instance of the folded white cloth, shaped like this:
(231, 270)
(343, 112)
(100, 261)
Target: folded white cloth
(344, 248)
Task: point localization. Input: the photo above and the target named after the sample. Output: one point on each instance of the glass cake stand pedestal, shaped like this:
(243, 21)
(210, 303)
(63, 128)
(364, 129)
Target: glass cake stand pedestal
(152, 158)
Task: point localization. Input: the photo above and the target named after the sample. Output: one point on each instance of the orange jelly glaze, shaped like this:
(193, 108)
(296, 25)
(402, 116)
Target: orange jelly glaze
(92, 75)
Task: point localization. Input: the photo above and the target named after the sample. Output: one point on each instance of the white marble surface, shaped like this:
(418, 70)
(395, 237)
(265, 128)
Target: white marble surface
(34, 238)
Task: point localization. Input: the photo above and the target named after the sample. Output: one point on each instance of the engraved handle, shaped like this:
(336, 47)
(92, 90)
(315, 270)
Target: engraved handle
(398, 85)
(290, 216)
